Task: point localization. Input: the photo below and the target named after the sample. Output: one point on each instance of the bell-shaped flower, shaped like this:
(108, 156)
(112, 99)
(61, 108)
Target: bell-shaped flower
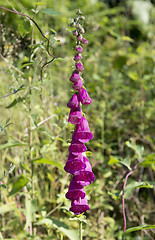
(83, 133)
(73, 102)
(75, 115)
(86, 176)
(76, 146)
(75, 191)
(74, 163)
(75, 77)
(78, 85)
(79, 206)
(84, 97)
(79, 67)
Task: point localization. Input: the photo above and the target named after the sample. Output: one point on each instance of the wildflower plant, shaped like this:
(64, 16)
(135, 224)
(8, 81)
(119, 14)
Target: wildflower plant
(78, 165)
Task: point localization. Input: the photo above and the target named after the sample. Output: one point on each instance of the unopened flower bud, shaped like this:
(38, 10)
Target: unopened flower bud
(84, 41)
(79, 67)
(75, 33)
(79, 38)
(79, 49)
(73, 24)
(82, 30)
(77, 57)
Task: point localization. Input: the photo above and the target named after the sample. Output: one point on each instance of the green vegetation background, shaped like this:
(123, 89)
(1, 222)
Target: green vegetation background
(35, 135)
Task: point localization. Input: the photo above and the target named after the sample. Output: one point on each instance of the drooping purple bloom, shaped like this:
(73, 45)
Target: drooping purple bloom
(78, 85)
(79, 206)
(73, 102)
(83, 133)
(75, 115)
(84, 41)
(79, 49)
(74, 163)
(75, 77)
(84, 97)
(86, 176)
(75, 191)
(76, 146)
(77, 57)
(79, 67)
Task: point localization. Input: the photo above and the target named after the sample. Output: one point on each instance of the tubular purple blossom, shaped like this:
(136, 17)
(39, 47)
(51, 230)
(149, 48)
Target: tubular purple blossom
(83, 133)
(79, 206)
(76, 190)
(73, 102)
(75, 77)
(78, 85)
(85, 176)
(75, 115)
(84, 97)
(74, 163)
(84, 41)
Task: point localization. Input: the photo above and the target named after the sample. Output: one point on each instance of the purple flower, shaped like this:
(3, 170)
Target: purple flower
(79, 67)
(84, 97)
(74, 163)
(75, 77)
(86, 176)
(79, 49)
(77, 86)
(73, 102)
(79, 206)
(75, 115)
(83, 133)
(84, 41)
(77, 57)
(75, 191)
(79, 38)
(76, 146)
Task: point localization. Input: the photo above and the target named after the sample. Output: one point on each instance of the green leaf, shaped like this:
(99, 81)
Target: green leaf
(141, 227)
(61, 226)
(19, 184)
(150, 159)
(47, 161)
(137, 148)
(24, 27)
(7, 207)
(135, 184)
(128, 39)
(15, 101)
(12, 144)
(26, 167)
(49, 11)
(31, 207)
(113, 160)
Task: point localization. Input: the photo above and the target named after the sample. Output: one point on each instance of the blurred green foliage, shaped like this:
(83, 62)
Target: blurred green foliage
(35, 135)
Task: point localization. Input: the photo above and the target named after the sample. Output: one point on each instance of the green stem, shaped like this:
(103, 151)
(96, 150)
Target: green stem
(80, 230)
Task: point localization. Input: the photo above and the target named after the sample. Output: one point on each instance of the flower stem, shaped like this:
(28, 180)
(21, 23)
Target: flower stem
(123, 200)
(80, 230)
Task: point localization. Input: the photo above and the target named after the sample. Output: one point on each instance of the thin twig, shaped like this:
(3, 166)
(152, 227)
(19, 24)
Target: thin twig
(14, 92)
(48, 41)
(123, 200)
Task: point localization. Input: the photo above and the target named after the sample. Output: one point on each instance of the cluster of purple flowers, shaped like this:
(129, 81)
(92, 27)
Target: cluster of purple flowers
(78, 165)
